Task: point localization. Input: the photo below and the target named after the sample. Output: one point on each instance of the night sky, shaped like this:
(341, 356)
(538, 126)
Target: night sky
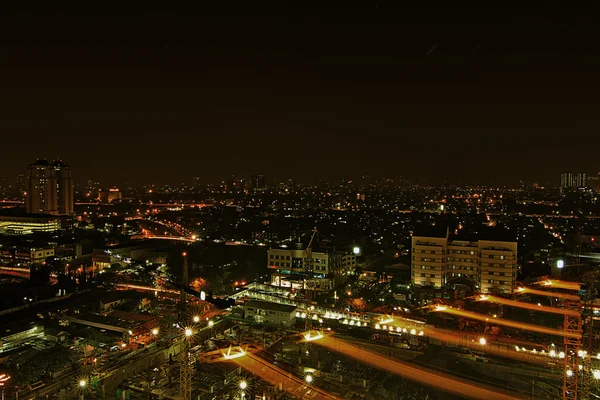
(162, 95)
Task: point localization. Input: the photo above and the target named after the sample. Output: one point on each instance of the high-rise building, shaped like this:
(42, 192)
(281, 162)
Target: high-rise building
(258, 182)
(573, 180)
(64, 188)
(49, 188)
(488, 264)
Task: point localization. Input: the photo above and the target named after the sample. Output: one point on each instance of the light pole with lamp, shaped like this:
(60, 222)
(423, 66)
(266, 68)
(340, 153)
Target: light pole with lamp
(3, 379)
(243, 386)
(82, 385)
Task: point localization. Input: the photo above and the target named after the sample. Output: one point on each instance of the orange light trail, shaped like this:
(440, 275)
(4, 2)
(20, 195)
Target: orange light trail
(528, 290)
(423, 376)
(560, 284)
(505, 322)
(276, 376)
(529, 306)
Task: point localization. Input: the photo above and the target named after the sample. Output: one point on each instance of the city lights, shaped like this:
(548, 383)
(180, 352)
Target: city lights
(243, 385)
(188, 332)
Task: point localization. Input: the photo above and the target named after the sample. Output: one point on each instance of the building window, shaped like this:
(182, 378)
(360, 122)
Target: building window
(432, 252)
(491, 256)
(502, 257)
(432, 275)
(422, 275)
(423, 267)
(422, 251)
(491, 281)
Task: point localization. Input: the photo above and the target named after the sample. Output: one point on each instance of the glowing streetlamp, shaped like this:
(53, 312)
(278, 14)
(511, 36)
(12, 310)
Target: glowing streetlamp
(188, 332)
(196, 319)
(243, 385)
(82, 383)
(210, 324)
(596, 374)
(482, 341)
(308, 378)
(155, 331)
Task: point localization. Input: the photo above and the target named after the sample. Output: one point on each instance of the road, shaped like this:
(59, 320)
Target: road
(290, 383)
(421, 375)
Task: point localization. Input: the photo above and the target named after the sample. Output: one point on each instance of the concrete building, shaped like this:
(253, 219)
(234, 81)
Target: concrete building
(573, 180)
(258, 182)
(64, 188)
(110, 195)
(49, 188)
(39, 255)
(288, 266)
(23, 224)
(265, 312)
(491, 266)
(41, 188)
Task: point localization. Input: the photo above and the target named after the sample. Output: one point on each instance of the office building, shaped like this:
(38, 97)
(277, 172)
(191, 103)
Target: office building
(41, 188)
(14, 224)
(110, 195)
(64, 188)
(573, 180)
(265, 312)
(258, 182)
(489, 265)
(49, 188)
(288, 266)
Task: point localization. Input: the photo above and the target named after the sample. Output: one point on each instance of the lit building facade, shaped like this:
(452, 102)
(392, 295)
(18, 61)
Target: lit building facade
(27, 224)
(107, 196)
(573, 180)
(49, 188)
(288, 267)
(490, 265)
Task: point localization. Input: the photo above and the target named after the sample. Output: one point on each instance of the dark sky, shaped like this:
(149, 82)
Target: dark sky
(161, 95)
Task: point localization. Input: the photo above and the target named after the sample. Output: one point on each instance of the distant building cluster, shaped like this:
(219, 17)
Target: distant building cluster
(110, 195)
(573, 180)
(49, 188)
(489, 266)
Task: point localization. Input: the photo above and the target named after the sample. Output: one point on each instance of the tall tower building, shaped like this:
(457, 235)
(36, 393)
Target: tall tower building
(573, 180)
(258, 182)
(64, 188)
(49, 188)
(41, 188)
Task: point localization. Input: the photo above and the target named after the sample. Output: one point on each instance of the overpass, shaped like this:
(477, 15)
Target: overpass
(424, 376)
(293, 385)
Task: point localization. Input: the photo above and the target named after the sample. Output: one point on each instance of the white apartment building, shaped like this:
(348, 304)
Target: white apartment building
(438, 261)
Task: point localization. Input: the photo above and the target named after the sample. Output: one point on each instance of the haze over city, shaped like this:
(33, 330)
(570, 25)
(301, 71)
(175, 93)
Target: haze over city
(252, 201)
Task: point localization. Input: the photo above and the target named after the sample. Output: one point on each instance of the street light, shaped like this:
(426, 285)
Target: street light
(243, 385)
(482, 341)
(196, 319)
(596, 374)
(82, 383)
(188, 332)
(3, 379)
(155, 331)
(308, 378)
(210, 324)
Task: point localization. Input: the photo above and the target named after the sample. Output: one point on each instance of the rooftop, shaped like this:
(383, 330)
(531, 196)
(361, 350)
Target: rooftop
(266, 305)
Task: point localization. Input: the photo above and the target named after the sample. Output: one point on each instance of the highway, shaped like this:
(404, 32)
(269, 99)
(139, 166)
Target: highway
(423, 376)
(288, 382)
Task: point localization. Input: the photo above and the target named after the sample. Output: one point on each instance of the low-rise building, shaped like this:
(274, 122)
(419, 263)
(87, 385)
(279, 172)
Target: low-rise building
(265, 312)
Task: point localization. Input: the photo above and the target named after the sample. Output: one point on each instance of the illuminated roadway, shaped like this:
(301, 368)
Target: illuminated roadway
(423, 376)
(276, 376)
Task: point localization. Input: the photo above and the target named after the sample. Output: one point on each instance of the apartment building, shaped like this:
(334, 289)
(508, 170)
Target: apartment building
(439, 261)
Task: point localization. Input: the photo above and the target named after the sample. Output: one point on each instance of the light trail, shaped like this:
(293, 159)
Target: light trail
(295, 386)
(558, 295)
(529, 306)
(560, 284)
(423, 376)
(505, 322)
